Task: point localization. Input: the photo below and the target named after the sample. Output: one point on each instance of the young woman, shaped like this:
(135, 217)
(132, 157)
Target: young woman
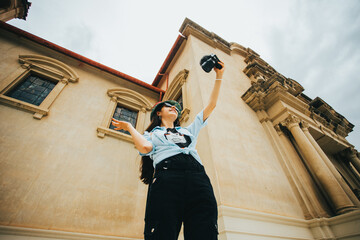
(179, 189)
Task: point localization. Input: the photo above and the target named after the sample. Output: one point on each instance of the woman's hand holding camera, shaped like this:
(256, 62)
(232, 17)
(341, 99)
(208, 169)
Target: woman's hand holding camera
(121, 125)
(219, 72)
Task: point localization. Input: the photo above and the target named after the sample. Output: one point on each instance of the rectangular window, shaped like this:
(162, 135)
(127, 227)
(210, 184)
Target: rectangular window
(124, 114)
(33, 89)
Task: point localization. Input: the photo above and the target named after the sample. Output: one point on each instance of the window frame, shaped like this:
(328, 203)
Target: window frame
(178, 87)
(128, 99)
(24, 78)
(42, 66)
(134, 110)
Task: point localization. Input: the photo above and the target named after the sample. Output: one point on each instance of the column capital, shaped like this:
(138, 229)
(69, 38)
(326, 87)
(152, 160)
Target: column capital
(351, 155)
(278, 129)
(114, 99)
(351, 152)
(143, 109)
(291, 121)
(348, 152)
(304, 125)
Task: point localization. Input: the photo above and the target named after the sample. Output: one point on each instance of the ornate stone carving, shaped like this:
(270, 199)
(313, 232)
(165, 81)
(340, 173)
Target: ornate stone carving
(130, 98)
(331, 119)
(50, 65)
(350, 152)
(278, 129)
(304, 125)
(65, 81)
(268, 83)
(113, 99)
(26, 65)
(291, 121)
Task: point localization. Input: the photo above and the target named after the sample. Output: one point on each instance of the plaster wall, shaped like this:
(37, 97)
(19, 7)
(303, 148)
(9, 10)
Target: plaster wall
(55, 173)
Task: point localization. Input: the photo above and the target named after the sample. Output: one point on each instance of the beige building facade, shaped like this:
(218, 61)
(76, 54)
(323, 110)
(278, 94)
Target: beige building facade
(279, 161)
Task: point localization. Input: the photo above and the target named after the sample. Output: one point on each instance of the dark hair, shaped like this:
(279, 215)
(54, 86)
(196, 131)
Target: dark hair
(146, 164)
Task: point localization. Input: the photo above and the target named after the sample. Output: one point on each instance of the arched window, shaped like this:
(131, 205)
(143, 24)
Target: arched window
(124, 105)
(178, 91)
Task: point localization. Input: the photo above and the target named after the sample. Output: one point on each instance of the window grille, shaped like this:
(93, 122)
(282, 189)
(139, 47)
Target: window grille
(124, 114)
(33, 89)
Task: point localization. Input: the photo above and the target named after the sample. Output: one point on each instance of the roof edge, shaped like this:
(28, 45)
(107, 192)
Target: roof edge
(76, 56)
(169, 59)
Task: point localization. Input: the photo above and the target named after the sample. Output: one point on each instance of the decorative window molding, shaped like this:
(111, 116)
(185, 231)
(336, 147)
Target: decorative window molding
(42, 66)
(178, 89)
(128, 99)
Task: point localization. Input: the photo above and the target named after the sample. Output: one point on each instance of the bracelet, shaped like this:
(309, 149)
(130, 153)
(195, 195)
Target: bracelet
(219, 79)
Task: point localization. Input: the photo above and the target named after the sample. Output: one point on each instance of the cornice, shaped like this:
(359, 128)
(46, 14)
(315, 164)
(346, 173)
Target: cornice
(272, 90)
(257, 66)
(189, 27)
(325, 114)
(239, 49)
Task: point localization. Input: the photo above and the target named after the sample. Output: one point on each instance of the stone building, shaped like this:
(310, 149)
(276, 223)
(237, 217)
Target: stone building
(10, 9)
(279, 161)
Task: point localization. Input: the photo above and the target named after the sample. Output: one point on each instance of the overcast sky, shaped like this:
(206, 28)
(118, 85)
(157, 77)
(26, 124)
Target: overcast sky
(314, 42)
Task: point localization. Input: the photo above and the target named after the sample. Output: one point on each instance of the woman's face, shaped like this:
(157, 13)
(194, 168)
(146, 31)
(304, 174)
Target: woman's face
(168, 113)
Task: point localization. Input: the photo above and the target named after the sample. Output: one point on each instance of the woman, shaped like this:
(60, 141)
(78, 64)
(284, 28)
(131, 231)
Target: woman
(179, 189)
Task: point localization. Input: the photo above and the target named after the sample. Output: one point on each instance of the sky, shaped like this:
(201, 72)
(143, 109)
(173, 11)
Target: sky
(315, 42)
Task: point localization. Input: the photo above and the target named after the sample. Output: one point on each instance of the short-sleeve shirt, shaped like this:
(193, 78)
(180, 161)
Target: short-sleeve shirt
(164, 148)
(178, 138)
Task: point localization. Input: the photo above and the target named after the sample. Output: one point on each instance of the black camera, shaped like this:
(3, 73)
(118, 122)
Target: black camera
(208, 62)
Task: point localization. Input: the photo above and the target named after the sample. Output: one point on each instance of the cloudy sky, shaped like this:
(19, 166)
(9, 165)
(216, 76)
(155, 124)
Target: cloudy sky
(315, 42)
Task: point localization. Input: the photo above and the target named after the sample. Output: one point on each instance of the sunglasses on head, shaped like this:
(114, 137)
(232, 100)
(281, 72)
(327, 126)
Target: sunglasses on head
(169, 105)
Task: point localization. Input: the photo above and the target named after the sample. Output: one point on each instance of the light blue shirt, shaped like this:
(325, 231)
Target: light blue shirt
(162, 148)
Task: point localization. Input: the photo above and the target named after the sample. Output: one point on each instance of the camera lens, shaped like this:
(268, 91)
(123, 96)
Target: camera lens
(208, 62)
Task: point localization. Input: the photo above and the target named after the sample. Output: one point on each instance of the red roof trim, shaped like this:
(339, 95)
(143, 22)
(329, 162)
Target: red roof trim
(168, 59)
(79, 57)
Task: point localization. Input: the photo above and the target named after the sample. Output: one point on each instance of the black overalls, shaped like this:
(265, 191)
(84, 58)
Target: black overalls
(180, 192)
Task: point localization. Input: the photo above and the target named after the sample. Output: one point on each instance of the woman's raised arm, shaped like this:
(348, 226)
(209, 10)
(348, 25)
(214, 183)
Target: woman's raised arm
(215, 92)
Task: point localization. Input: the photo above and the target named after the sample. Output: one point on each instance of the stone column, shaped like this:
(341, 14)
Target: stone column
(340, 201)
(341, 181)
(312, 206)
(355, 161)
